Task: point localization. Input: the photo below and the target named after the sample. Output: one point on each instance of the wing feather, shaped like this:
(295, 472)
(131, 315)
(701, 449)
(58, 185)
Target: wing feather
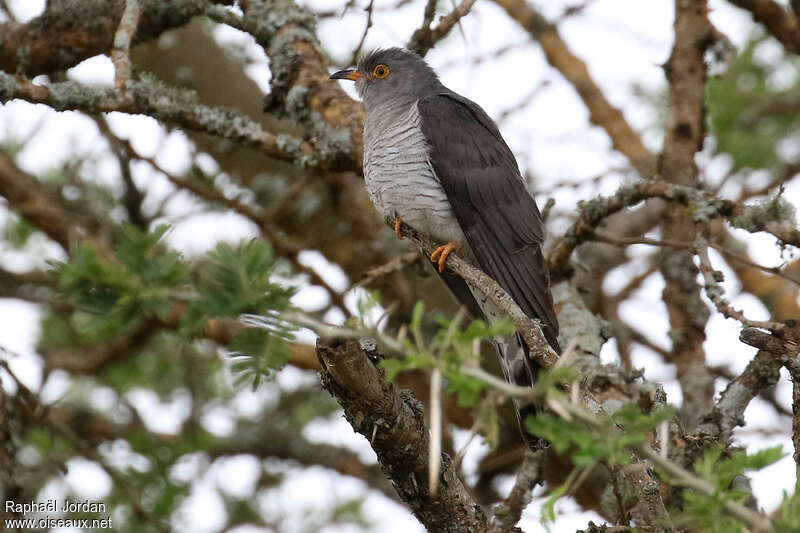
(499, 217)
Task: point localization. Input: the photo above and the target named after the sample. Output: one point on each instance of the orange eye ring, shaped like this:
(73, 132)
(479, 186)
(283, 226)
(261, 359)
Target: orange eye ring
(380, 71)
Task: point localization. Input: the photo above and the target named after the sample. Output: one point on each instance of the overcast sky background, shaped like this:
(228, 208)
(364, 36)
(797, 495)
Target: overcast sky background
(624, 43)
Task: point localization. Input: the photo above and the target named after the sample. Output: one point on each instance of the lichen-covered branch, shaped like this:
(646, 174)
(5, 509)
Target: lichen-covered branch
(393, 422)
(509, 512)
(761, 373)
(784, 351)
(300, 86)
(170, 105)
(703, 206)
(716, 293)
(69, 31)
(686, 73)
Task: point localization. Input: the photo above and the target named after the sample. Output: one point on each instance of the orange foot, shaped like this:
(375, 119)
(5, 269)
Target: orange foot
(398, 227)
(440, 254)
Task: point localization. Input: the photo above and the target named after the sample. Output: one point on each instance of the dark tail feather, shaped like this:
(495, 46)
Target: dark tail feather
(521, 370)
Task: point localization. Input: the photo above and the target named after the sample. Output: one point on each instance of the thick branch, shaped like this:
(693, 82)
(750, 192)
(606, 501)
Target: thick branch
(392, 420)
(169, 105)
(70, 31)
(688, 315)
(300, 85)
(29, 198)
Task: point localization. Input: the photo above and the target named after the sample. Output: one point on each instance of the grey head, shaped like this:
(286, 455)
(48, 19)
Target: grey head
(391, 75)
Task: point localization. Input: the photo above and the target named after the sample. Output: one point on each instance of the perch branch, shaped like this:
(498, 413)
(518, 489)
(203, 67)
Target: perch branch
(393, 422)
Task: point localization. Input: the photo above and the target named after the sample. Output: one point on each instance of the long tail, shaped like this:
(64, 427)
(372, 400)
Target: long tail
(513, 354)
(521, 370)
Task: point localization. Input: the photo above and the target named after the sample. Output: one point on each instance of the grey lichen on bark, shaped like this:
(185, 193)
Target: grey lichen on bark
(300, 89)
(69, 31)
(393, 421)
(579, 327)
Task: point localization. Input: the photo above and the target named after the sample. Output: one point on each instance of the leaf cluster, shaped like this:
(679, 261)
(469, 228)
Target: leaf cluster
(451, 349)
(112, 293)
(749, 115)
(707, 513)
(144, 280)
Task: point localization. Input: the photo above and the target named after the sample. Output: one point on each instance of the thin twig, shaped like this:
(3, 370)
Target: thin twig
(716, 293)
(357, 51)
(395, 265)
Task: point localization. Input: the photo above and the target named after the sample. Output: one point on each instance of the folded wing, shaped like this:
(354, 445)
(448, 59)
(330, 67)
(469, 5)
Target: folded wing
(497, 214)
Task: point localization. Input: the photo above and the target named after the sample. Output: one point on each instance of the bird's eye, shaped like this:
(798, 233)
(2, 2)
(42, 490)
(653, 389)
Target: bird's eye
(381, 71)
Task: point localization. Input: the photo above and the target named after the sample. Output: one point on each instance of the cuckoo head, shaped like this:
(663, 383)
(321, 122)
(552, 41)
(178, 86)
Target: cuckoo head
(391, 74)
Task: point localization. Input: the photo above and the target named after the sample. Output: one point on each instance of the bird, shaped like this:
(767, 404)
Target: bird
(435, 160)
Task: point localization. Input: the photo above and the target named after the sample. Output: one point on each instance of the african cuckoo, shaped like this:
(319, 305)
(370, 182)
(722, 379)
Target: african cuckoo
(436, 161)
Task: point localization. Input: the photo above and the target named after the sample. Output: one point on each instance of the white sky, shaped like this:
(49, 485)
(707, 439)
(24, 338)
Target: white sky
(624, 42)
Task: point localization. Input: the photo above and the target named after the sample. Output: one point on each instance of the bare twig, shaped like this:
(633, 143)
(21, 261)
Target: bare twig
(425, 38)
(716, 293)
(509, 512)
(120, 52)
(601, 112)
(395, 265)
(782, 24)
(357, 51)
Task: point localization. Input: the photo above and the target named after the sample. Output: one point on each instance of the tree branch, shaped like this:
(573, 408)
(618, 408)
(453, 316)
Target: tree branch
(121, 50)
(529, 328)
(69, 31)
(574, 69)
(392, 420)
(425, 38)
(782, 24)
(169, 105)
(509, 512)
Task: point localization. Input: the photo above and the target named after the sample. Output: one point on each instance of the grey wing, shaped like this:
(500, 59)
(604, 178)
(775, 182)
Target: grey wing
(497, 214)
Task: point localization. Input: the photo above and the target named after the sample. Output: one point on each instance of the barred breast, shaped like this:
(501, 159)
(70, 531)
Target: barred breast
(399, 177)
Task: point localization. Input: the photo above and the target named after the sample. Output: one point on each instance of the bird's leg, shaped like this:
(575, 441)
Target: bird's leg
(398, 227)
(440, 254)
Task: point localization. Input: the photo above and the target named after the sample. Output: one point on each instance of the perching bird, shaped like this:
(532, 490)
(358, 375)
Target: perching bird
(436, 161)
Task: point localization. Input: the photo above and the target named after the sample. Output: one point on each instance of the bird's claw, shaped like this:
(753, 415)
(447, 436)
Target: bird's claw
(398, 227)
(440, 254)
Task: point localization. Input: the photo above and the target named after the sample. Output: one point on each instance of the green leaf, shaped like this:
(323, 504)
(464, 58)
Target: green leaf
(788, 520)
(257, 356)
(238, 281)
